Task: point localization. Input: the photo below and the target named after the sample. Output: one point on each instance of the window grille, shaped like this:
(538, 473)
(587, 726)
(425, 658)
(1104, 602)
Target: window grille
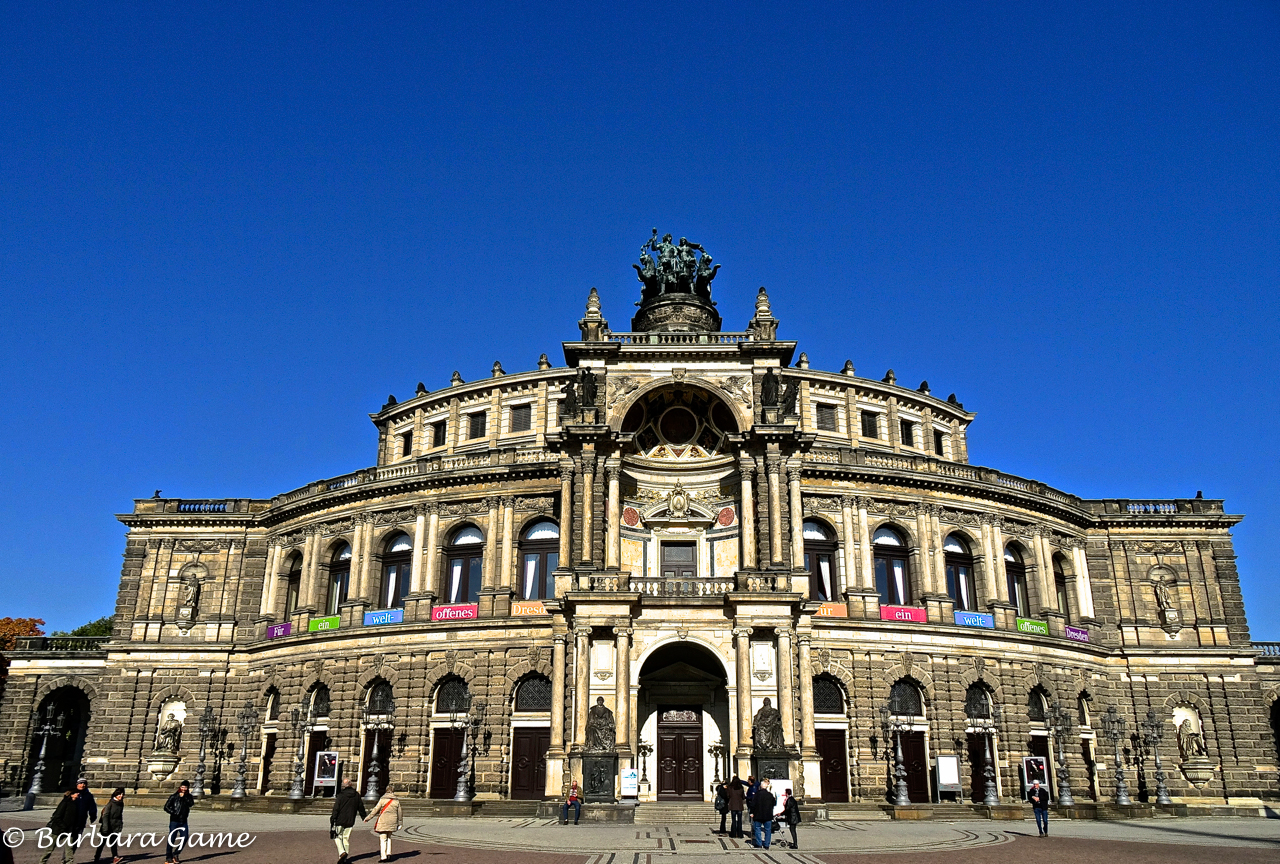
(380, 699)
(1035, 706)
(320, 701)
(904, 700)
(870, 424)
(828, 698)
(476, 424)
(827, 418)
(534, 694)
(453, 696)
(977, 703)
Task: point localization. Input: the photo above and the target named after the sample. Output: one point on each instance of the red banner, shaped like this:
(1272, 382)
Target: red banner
(456, 612)
(903, 613)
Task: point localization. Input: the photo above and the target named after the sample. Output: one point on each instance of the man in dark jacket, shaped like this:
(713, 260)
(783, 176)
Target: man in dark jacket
(178, 807)
(791, 815)
(762, 816)
(346, 804)
(1039, 798)
(68, 820)
(111, 825)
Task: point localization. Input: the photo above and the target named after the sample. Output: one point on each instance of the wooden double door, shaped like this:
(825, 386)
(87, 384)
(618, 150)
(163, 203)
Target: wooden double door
(446, 753)
(529, 747)
(679, 766)
(917, 764)
(833, 751)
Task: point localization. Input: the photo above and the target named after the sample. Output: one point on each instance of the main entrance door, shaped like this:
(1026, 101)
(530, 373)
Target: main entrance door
(977, 745)
(446, 753)
(833, 751)
(679, 754)
(913, 758)
(529, 747)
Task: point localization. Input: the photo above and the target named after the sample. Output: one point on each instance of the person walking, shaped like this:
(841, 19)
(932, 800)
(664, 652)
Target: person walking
(791, 815)
(737, 802)
(1039, 798)
(762, 816)
(75, 809)
(387, 821)
(574, 800)
(179, 808)
(346, 804)
(110, 825)
(722, 803)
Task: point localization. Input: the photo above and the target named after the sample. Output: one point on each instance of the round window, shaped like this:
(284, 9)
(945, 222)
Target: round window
(679, 426)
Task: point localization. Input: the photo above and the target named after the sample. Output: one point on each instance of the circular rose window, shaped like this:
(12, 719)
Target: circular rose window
(678, 426)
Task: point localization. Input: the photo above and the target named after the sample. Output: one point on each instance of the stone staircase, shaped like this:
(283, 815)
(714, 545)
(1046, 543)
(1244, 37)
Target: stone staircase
(677, 813)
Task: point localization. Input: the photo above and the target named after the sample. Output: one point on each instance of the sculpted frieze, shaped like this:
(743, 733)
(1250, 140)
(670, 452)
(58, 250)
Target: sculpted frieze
(959, 517)
(201, 545)
(737, 386)
(619, 388)
(464, 508)
(540, 505)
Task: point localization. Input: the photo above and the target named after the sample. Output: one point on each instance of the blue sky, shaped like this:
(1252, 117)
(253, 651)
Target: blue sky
(227, 234)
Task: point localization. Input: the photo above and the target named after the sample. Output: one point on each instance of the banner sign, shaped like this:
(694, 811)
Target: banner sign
(1077, 634)
(528, 607)
(1028, 625)
(630, 783)
(832, 610)
(326, 775)
(903, 613)
(456, 612)
(976, 619)
(383, 616)
(949, 773)
(318, 624)
(277, 630)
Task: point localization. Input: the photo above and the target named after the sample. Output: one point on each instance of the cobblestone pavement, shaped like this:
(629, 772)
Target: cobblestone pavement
(283, 839)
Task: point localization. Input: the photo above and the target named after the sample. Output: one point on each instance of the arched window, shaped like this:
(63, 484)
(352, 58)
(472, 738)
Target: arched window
(828, 698)
(977, 702)
(1016, 574)
(381, 698)
(904, 700)
(273, 705)
(320, 701)
(1060, 587)
(1037, 704)
(452, 695)
(339, 577)
(893, 579)
(960, 582)
(397, 565)
(539, 558)
(819, 559)
(534, 694)
(293, 584)
(465, 554)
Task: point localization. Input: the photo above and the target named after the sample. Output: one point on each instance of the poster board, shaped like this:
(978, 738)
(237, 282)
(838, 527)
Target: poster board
(1034, 768)
(630, 782)
(326, 769)
(778, 785)
(948, 768)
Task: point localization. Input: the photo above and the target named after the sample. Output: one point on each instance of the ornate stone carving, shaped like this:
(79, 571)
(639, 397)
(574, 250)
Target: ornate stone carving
(619, 388)
(739, 387)
(201, 545)
(683, 268)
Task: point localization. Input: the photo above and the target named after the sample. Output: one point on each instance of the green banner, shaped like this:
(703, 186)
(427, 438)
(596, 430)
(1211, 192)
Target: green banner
(1029, 625)
(330, 623)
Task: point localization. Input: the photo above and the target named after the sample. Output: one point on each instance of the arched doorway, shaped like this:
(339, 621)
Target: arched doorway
(64, 713)
(682, 711)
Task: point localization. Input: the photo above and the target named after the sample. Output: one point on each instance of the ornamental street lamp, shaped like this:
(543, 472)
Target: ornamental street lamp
(1113, 729)
(300, 722)
(379, 716)
(894, 727)
(49, 727)
(991, 794)
(1061, 722)
(207, 721)
(644, 748)
(248, 719)
(1152, 733)
(717, 753)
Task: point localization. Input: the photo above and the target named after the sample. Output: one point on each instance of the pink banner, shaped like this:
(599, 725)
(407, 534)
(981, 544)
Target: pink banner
(456, 612)
(903, 613)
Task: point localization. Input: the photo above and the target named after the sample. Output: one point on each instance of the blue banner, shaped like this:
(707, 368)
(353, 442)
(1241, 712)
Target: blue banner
(383, 616)
(976, 619)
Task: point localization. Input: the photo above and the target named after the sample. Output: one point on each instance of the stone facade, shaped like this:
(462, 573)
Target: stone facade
(646, 544)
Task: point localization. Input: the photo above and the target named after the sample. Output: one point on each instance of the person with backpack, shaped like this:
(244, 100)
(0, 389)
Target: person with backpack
(1039, 798)
(76, 807)
(722, 802)
(110, 825)
(737, 803)
(346, 804)
(762, 805)
(387, 821)
(791, 815)
(179, 808)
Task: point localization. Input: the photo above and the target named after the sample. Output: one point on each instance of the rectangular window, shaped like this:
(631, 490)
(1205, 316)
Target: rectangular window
(439, 430)
(827, 418)
(679, 560)
(477, 425)
(906, 436)
(937, 443)
(521, 418)
(406, 444)
(870, 424)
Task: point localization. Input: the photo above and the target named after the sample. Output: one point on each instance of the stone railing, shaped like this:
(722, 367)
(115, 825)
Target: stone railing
(658, 587)
(760, 584)
(1268, 649)
(1154, 506)
(61, 643)
(202, 506)
(679, 338)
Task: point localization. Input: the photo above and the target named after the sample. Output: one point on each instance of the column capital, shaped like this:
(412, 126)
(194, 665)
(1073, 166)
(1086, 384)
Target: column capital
(865, 502)
(562, 638)
(509, 501)
(747, 467)
(804, 641)
(492, 502)
(588, 463)
(566, 472)
(741, 632)
(612, 472)
(848, 502)
(773, 464)
(793, 473)
(582, 632)
(623, 631)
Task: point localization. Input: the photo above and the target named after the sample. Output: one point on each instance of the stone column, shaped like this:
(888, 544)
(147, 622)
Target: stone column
(508, 520)
(773, 467)
(432, 552)
(557, 691)
(490, 543)
(366, 558)
(419, 537)
(267, 605)
(864, 532)
(808, 738)
(786, 695)
(852, 576)
(566, 514)
(939, 556)
(1043, 577)
(997, 555)
(613, 547)
(797, 519)
(622, 688)
(588, 480)
(1084, 588)
(747, 515)
(988, 560)
(581, 686)
(926, 553)
(742, 656)
(311, 569)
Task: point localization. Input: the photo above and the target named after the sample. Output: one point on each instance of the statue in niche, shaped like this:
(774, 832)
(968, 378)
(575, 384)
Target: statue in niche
(790, 395)
(1163, 599)
(569, 407)
(769, 389)
(601, 730)
(1190, 742)
(191, 591)
(766, 729)
(169, 735)
(587, 381)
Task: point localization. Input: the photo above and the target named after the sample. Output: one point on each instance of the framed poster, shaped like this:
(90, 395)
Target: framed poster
(630, 782)
(1034, 768)
(326, 769)
(948, 768)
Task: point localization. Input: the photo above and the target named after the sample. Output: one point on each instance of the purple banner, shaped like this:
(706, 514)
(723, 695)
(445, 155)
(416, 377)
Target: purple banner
(1077, 634)
(276, 630)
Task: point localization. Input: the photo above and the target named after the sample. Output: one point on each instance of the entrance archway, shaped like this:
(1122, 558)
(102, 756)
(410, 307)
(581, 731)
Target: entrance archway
(67, 710)
(682, 711)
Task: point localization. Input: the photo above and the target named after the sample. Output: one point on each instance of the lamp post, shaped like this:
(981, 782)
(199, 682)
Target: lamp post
(378, 717)
(644, 748)
(300, 722)
(1113, 729)
(48, 728)
(717, 753)
(248, 719)
(990, 794)
(1152, 734)
(207, 721)
(893, 727)
(1061, 723)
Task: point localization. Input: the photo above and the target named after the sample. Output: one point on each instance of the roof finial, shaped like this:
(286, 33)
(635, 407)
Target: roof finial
(890, 378)
(592, 324)
(543, 363)
(848, 367)
(763, 326)
(456, 379)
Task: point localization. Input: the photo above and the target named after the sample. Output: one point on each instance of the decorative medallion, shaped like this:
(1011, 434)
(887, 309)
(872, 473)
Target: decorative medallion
(630, 517)
(678, 501)
(725, 518)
